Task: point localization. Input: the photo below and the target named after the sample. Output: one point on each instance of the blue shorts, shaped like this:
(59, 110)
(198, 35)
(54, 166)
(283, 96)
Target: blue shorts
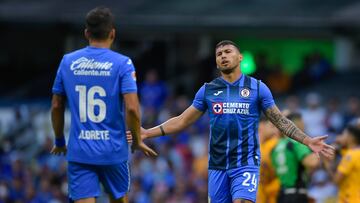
(84, 180)
(225, 186)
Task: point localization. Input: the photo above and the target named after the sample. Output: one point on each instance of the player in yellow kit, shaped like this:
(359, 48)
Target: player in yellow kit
(269, 184)
(347, 176)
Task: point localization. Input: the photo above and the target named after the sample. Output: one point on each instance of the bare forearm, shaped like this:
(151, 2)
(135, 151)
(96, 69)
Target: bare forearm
(170, 126)
(286, 126)
(175, 124)
(57, 119)
(133, 122)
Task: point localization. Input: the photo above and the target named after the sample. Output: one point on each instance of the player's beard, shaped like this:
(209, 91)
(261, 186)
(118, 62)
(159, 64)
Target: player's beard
(226, 70)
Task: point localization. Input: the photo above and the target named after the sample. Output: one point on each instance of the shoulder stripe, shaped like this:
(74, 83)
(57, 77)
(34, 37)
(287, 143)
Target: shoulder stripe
(216, 81)
(247, 82)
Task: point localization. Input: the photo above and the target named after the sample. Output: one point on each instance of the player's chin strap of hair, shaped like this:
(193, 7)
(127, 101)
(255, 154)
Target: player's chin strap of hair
(162, 130)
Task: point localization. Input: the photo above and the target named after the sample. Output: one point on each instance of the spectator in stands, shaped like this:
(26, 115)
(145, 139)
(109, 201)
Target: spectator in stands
(314, 116)
(315, 68)
(352, 109)
(263, 69)
(279, 81)
(334, 119)
(319, 67)
(153, 92)
(292, 103)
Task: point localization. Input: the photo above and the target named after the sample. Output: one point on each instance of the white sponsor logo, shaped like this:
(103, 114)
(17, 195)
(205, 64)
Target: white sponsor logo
(129, 62)
(218, 92)
(85, 66)
(94, 135)
(231, 108)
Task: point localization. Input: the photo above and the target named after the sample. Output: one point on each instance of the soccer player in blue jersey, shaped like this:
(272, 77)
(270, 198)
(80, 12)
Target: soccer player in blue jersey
(96, 83)
(234, 102)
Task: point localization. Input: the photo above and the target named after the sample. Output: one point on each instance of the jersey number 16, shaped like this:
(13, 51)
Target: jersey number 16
(87, 103)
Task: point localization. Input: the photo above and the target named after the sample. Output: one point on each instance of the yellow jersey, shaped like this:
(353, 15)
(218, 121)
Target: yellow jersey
(269, 184)
(349, 167)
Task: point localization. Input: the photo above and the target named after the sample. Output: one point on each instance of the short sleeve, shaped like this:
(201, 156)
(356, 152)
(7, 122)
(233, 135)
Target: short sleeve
(58, 86)
(266, 98)
(199, 100)
(301, 150)
(345, 165)
(128, 78)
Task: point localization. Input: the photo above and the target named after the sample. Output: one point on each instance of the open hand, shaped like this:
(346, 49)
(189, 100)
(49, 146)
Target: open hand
(144, 148)
(59, 150)
(317, 145)
(142, 134)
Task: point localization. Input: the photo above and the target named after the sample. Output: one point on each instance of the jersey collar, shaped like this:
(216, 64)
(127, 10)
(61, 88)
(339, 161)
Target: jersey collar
(232, 83)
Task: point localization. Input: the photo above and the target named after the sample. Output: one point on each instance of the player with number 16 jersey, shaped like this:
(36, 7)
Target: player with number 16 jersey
(100, 88)
(93, 80)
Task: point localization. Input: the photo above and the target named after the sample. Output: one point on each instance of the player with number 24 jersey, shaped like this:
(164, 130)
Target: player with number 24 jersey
(234, 102)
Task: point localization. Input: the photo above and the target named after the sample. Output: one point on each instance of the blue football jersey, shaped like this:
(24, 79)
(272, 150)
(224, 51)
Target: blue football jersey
(234, 110)
(93, 81)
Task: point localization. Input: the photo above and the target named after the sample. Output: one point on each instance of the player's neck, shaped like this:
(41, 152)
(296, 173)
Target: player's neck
(232, 77)
(100, 44)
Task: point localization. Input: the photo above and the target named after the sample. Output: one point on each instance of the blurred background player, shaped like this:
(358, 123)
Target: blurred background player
(269, 184)
(293, 162)
(97, 82)
(234, 102)
(347, 175)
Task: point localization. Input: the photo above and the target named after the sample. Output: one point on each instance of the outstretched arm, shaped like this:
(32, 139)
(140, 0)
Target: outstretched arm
(286, 126)
(289, 129)
(175, 124)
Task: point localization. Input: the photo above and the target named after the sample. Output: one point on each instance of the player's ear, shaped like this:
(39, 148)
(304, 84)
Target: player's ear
(112, 34)
(240, 57)
(86, 33)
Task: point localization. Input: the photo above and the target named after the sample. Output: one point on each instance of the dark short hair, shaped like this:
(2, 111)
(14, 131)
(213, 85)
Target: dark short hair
(226, 42)
(99, 23)
(294, 116)
(354, 129)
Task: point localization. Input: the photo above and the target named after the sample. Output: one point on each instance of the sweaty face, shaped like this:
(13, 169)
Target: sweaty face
(227, 58)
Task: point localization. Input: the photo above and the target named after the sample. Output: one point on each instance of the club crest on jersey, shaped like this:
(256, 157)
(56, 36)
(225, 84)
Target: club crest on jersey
(217, 108)
(245, 93)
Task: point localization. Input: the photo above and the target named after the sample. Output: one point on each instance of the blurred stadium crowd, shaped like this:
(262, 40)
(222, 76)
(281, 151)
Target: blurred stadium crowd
(28, 173)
